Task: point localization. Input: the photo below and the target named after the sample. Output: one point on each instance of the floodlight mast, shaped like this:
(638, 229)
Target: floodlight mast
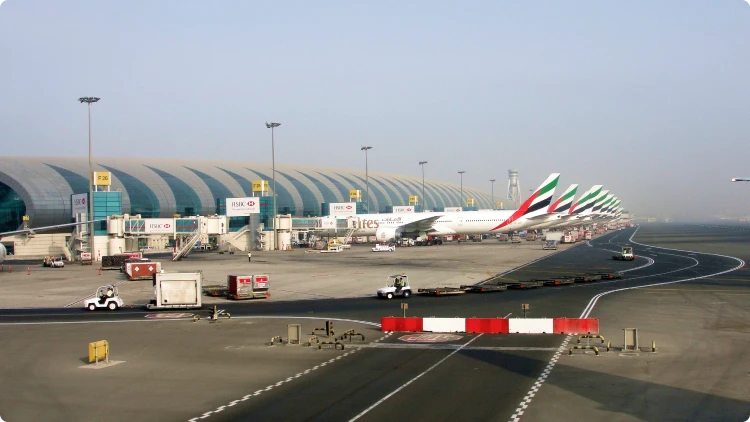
(271, 126)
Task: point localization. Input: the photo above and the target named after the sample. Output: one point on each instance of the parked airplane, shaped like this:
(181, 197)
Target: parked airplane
(584, 203)
(4, 251)
(390, 226)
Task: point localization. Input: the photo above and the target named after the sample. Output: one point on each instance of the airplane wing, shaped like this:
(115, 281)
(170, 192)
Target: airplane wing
(36, 229)
(424, 224)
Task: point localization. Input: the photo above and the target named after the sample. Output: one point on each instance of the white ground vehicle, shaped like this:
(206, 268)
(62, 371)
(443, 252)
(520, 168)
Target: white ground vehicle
(626, 255)
(106, 297)
(53, 261)
(395, 285)
(549, 245)
(382, 247)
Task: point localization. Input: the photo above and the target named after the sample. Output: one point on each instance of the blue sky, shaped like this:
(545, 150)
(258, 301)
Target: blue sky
(648, 98)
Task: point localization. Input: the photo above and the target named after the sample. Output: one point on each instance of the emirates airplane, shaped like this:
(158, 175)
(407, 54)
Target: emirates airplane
(387, 227)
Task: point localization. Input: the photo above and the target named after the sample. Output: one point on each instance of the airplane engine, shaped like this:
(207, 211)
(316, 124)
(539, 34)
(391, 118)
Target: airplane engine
(387, 234)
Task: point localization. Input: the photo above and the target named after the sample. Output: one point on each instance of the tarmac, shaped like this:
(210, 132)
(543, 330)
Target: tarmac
(293, 275)
(177, 369)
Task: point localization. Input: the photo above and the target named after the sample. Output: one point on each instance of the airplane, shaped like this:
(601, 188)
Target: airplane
(741, 179)
(556, 211)
(4, 251)
(387, 227)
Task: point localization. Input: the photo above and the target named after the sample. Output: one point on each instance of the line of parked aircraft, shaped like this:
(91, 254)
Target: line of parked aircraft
(537, 212)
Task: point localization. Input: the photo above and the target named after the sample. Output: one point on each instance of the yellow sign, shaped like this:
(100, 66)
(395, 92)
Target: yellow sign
(98, 351)
(25, 218)
(499, 204)
(355, 194)
(102, 178)
(470, 202)
(260, 185)
(413, 199)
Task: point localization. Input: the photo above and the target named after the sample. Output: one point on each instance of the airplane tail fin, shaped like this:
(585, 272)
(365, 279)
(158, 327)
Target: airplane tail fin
(586, 201)
(565, 200)
(539, 201)
(536, 204)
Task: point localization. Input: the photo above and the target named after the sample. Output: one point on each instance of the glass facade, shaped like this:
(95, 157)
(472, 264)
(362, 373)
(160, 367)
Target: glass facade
(142, 198)
(105, 204)
(12, 209)
(187, 201)
(41, 188)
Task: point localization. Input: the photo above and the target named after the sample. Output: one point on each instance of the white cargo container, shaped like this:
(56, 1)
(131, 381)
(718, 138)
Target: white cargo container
(177, 290)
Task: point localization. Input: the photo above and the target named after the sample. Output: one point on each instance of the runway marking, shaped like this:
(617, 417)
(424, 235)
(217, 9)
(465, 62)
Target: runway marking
(364, 412)
(270, 387)
(592, 303)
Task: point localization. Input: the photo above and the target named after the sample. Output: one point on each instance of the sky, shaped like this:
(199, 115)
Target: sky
(648, 98)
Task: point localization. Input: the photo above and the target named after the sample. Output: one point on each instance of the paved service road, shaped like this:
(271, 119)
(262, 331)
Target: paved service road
(492, 377)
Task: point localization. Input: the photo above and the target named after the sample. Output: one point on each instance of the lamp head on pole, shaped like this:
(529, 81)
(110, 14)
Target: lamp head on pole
(422, 162)
(272, 125)
(492, 180)
(461, 172)
(365, 148)
(88, 100)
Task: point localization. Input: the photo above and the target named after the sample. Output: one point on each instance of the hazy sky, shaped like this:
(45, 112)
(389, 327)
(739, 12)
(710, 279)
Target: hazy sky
(649, 98)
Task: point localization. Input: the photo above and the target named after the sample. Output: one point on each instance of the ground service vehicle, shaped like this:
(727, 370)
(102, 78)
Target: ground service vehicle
(53, 261)
(515, 239)
(382, 247)
(177, 290)
(395, 285)
(557, 236)
(549, 245)
(106, 297)
(625, 255)
(530, 237)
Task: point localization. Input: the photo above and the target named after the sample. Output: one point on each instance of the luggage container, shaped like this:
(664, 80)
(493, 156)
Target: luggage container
(177, 291)
(248, 287)
(141, 270)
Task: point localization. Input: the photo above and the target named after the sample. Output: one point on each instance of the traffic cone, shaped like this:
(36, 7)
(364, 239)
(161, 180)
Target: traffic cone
(100, 270)
(28, 270)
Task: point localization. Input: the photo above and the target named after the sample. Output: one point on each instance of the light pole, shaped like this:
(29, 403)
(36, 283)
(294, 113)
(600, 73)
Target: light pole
(461, 172)
(271, 126)
(424, 198)
(88, 101)
(367, 178)
(493, 193)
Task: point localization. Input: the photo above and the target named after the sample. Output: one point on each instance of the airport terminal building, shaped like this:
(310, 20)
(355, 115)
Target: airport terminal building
(41, 187)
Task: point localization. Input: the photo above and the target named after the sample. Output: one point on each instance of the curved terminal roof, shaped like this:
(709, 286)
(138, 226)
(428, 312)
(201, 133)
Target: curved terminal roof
(41, 187)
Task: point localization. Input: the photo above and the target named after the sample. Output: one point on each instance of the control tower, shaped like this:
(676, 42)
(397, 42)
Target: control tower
(514, 189)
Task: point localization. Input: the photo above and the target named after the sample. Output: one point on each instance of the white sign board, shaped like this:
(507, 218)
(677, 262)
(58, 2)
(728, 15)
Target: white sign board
(343, 209)
(452, 209)
(326, 223)
(237, 207)
(403, 209)
(159, 225)
(79, 203)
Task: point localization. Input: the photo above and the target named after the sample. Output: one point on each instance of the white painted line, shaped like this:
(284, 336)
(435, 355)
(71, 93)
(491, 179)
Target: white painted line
(372, 324)
(364, 412)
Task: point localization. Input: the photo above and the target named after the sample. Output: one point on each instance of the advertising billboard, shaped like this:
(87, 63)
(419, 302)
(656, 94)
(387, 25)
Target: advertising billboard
(79, 203)
(343, 209)
(403, 209)
(237, 207)
(159, 225)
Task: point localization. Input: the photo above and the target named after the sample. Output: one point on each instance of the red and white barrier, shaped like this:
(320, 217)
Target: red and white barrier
(491, 325)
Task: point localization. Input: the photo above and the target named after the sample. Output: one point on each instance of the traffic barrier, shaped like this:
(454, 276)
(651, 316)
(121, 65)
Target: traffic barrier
(531, 325)
(575, 325)
(273, 340)
(487, 325)
(401, 324)
(590, 336)
(594, 348)
(351, 334)
(444, 325)
(653, 346)
(492, 325)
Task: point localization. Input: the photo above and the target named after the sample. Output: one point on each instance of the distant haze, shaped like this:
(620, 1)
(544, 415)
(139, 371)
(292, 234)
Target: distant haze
(648, 98)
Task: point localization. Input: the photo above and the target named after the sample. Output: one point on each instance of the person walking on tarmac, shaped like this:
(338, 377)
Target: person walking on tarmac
(249, 257)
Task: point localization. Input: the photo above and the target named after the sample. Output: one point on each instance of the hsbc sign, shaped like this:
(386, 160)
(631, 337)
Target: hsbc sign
(343, 209)
(79, 203)
(159, 225)
(403, 209)
(237, 207)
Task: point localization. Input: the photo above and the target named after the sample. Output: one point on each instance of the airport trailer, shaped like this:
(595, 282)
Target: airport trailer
(177, 291)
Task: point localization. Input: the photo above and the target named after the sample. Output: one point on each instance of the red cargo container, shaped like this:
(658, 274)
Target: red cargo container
(248, 287)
